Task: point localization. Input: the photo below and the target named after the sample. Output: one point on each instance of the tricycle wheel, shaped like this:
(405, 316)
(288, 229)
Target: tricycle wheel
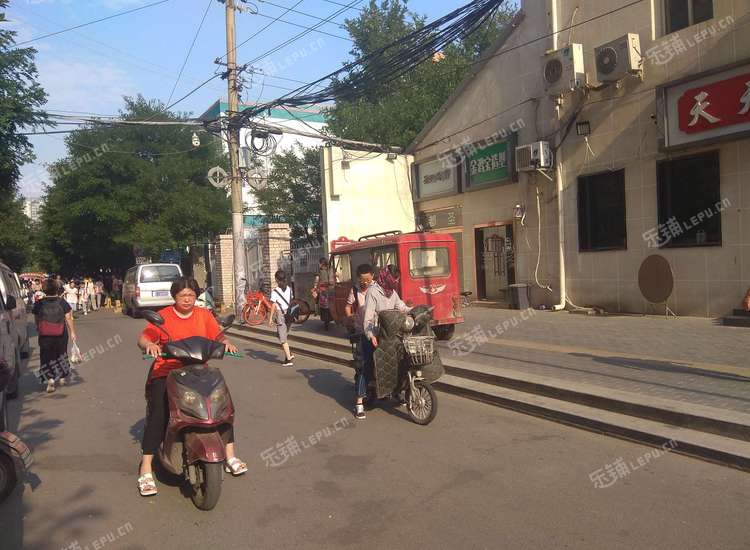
(444, 332)
(254, 312)
(206, 494)
(421, 404)
(8, 477)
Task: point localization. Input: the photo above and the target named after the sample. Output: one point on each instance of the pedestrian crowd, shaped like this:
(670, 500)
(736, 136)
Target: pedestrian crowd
(82, 294)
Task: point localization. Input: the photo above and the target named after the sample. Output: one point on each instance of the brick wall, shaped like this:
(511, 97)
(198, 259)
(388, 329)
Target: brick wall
(223, 280)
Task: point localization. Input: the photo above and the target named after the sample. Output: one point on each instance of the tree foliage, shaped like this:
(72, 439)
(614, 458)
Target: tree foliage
(130, 190)
(293, 192)
(21, 99)
(395, 112)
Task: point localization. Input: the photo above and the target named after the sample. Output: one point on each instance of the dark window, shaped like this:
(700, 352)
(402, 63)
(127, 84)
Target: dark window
(601, 212)
(684, 13)
(688, 192)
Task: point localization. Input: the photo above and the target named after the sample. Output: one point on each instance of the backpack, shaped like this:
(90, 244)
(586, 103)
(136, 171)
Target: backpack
(50, 320)
(292, 311)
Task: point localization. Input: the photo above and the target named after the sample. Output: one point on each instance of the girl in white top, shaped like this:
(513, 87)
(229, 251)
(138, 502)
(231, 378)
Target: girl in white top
(281, 297)
(71, 294)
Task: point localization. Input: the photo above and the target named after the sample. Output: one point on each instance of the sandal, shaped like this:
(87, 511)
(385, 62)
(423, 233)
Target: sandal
(147, 485)
(235, 466)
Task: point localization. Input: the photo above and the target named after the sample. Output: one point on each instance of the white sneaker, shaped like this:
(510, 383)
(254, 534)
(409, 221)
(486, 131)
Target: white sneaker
(50, 386)
(359, 411)
(62, 381)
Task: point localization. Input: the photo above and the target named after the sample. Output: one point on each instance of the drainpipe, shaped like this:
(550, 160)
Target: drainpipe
(554, 15)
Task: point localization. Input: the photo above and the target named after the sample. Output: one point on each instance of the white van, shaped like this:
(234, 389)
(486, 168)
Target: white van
(14, 333)
(147, 286)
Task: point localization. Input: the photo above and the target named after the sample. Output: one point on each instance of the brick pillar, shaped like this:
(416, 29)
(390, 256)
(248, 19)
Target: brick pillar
(224, 273)
(274, 239)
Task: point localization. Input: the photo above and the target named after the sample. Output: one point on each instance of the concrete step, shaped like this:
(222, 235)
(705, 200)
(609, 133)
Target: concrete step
(736, 321)
(726, 423)
(714, 448)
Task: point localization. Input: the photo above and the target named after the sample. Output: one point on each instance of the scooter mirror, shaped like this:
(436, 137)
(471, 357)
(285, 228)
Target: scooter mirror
(228, 321)
(153, 317)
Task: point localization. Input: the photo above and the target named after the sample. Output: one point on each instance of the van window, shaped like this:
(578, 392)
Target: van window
(159, 273)
(343, 268)
(383, 257)
(429, 262)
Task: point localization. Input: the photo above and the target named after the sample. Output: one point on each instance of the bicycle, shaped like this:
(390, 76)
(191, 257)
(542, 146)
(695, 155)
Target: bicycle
(257, 308)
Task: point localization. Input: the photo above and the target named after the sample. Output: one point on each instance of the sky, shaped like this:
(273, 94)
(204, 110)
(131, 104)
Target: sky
(90, 70)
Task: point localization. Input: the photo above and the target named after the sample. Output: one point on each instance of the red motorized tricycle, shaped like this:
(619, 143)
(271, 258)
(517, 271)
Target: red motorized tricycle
(428, 263)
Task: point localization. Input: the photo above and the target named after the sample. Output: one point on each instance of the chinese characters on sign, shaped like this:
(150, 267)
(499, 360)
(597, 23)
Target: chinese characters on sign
(707, 108)
(723, 103)
(435, 178)
(489, 165)
(437, 219)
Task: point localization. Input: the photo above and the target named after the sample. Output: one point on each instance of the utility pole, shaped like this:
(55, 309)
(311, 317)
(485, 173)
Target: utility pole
(238, 242)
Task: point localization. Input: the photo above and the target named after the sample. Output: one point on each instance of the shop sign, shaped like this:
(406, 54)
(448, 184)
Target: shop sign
(489, 165)
(436, 177)
(708, 108)
(440, 219)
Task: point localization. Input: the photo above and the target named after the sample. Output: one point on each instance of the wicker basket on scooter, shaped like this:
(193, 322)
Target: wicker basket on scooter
(420, 349)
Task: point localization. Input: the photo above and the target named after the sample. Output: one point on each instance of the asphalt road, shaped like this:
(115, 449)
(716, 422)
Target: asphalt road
(477, 477)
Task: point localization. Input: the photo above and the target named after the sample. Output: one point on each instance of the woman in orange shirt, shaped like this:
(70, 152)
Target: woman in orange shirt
(181, 320)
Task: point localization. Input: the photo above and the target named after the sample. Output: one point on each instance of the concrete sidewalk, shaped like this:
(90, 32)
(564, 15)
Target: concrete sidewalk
(686, 360)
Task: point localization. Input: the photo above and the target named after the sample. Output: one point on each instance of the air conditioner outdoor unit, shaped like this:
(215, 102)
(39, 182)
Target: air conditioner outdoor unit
(618, 58)
(534, 156)
(563, 70)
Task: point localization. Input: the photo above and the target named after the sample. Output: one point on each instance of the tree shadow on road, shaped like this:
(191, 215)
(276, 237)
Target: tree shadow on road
(332, 384)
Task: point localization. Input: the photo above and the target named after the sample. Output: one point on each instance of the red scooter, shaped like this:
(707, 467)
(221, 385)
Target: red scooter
(200, 414)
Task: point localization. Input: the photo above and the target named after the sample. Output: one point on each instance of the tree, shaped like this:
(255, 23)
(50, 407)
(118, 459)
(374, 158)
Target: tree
(21, 99)
(293, 193)
(130, 190)
(395, 112)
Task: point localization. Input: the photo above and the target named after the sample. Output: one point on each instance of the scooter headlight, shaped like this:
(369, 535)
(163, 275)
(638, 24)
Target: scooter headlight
(219, 401)
(191, 403)
(408, 325)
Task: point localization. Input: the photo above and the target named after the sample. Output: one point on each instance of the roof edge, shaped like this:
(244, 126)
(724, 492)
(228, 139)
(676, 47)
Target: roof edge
(486, 56)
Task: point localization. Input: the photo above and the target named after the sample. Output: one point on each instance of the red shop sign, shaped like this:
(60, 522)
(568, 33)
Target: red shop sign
(715, 105)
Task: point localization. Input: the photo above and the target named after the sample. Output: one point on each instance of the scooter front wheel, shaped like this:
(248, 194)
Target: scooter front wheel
(208, 490)
(422, 403)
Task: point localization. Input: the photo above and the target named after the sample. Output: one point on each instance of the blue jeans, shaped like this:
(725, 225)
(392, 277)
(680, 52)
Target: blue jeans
(365, 375)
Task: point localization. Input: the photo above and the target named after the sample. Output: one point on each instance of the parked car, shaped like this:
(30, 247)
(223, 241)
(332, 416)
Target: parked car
(14, 333)
(147, 286)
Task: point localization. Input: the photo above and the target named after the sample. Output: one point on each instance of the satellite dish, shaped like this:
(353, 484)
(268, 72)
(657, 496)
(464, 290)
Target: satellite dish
(656, 281)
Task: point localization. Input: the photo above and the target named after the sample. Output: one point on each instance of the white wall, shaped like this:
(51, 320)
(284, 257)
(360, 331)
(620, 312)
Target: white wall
(371, 195)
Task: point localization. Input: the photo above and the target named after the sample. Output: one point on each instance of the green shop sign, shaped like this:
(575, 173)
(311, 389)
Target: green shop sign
(489, 165)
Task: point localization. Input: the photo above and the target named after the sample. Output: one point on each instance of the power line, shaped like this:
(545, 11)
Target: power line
(139, 8)
(300, 35)
(190, 50)
(563, 29)
(304, 27)
(339, 25)
(344, 5)
(297, 3)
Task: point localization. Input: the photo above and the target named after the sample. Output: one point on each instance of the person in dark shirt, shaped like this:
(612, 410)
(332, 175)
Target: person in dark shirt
(53, 348)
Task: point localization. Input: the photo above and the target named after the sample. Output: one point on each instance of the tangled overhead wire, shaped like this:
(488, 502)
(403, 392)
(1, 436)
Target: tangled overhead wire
(388, 63)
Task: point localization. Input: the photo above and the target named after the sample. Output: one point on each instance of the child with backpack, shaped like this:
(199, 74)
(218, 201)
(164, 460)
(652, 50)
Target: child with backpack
(54, 323)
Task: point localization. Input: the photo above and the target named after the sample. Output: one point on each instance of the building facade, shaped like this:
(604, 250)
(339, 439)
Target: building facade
(645, 109)
(33, 209)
